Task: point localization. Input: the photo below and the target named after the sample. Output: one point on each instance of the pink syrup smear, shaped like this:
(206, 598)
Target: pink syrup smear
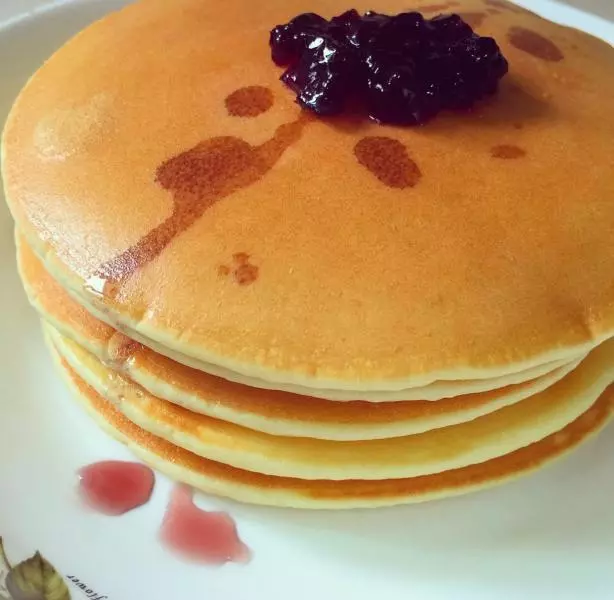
(114, 487)
(198, 535)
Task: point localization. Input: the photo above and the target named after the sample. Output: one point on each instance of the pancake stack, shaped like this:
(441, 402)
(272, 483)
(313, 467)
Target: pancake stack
(319, 313)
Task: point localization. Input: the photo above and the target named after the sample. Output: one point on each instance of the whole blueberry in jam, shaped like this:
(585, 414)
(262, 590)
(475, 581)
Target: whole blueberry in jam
(404, 68)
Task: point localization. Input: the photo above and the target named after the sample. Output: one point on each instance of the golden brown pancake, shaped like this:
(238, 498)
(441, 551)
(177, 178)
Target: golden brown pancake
(217, 478)
(263, 246)
(444, 449)
(277, 413)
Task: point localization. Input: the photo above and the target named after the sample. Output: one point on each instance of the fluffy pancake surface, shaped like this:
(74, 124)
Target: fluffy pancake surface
(486, 267)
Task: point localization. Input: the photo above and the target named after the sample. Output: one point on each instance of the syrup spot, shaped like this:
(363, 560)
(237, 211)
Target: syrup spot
(200, 536)
(503, 5)
(246, 274)
(249, 101)
(243, 271)
(535, 44)
(388, 160)
(197, 179)
(114, 487)
(473, 19)
(518, 125)
(507, 151)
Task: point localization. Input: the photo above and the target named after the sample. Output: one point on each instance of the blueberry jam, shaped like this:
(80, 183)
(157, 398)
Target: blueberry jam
(404, 68)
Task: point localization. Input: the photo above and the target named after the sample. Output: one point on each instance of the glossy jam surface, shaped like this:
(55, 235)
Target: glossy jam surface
(198, 535)
(404, 68)
(115, 487)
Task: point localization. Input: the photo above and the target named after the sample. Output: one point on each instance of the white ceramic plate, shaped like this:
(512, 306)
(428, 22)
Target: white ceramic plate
(549, 536)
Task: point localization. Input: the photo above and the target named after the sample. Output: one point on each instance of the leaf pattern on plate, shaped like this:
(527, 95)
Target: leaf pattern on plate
(5, 568)
(32, 579)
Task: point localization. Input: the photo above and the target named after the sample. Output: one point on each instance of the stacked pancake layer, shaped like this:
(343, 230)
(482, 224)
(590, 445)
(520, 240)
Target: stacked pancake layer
(275, 448)
(250, 306)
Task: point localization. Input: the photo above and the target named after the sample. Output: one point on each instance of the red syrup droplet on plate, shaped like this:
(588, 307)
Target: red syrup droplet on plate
(198, 535)
(114, 487)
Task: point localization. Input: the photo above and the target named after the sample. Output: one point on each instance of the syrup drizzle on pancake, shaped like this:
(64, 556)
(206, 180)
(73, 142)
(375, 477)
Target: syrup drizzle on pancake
(388, 160)
(249, 101)
(507, 151)
(197, 179)
(535, 44)
(217, 167)
(220, 166)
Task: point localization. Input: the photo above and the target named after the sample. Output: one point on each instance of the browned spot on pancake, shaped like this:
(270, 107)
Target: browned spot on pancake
(493, 11)
(388, 160)
(507, 151)
(241, 258)
(503, 5)
(474, 19)
(196, 180)
(120, 348)
(249, 101)
(434, 7)
(518, 125)
(535, 44)
(246, 274)
(243, 271)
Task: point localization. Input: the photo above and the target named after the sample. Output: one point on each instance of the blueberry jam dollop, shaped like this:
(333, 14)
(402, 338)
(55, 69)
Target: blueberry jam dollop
(404, 69)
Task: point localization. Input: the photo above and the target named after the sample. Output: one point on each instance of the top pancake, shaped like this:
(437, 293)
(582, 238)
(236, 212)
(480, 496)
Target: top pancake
(304, 267)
